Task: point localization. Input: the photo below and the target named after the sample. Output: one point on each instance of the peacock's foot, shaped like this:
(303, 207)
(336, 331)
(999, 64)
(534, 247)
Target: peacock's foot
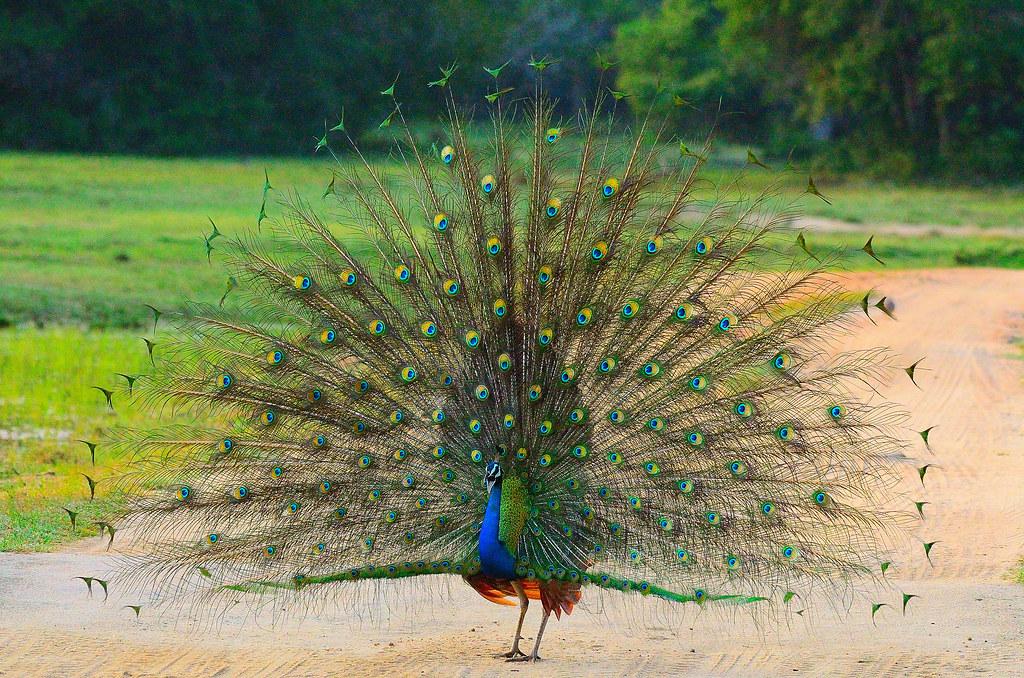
(532, 658)
(515, 654)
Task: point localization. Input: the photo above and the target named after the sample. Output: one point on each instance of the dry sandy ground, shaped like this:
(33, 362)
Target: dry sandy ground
(969, 619)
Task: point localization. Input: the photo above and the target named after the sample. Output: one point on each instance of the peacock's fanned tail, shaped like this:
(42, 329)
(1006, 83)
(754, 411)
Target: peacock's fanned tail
(657, 370)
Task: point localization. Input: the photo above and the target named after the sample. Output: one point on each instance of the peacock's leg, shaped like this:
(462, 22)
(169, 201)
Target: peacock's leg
(536, 645)
(524, 603)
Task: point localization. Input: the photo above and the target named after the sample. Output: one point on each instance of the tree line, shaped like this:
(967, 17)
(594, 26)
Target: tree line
(900, 88)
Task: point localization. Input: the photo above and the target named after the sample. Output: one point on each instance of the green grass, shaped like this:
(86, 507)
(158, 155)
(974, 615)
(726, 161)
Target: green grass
(87, 240)
(46, 405)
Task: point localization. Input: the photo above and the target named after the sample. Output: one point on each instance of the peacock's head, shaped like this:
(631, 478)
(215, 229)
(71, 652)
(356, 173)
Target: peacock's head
(493, 475)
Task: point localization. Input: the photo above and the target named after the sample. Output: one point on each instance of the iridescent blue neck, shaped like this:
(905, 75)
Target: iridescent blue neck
(495, 560)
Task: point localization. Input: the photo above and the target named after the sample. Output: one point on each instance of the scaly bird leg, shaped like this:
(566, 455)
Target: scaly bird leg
(536, 646)
(524, 604)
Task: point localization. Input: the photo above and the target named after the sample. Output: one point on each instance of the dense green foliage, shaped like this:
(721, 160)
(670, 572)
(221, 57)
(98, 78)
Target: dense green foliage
(910, 87)
(244, 76)
(903, 88)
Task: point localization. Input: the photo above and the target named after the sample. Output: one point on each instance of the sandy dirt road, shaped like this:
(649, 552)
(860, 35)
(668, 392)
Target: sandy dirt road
(969, 619)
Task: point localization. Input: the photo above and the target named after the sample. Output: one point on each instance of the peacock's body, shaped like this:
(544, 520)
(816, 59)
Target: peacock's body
(542, 370)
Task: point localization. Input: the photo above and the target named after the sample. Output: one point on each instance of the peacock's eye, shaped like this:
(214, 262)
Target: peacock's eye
(348, 277)
(738, 468)
(650, 370)
(544, 275)
(630, 309)
(447, 155)
(610, 187)
(552, 208)
(487, 184)
(654, 245)
(481, 392)
(408, 374)
(378, 328)
(402, 273)
(552, 135)
(226, 380)
(275, 357)
(428, 328)
(504, 362)
(441, 222)
(703, 246)
(302, 282)
(744, 410)
(500, 307)
(451, 287)
(584, 316)
(684, 312)
(782, 361)
(328, 337)
(599, 251)
(837, 412)
(493, 246)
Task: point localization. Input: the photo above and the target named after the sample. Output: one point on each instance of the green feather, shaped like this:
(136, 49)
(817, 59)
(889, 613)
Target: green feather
(512, 513)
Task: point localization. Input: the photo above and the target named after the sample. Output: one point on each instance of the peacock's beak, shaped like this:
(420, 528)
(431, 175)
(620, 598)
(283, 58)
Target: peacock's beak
(490, 484)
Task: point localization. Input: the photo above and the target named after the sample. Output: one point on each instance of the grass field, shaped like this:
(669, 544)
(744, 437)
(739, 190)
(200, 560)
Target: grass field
(85, 241)
(88, 240)
(47, 405)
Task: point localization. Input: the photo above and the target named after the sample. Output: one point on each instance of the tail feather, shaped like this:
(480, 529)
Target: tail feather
(559, 302)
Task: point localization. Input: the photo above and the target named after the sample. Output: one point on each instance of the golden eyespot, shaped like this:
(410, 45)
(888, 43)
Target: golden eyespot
(487, 184)
(610, 187)
(551, 209)
(348, 277)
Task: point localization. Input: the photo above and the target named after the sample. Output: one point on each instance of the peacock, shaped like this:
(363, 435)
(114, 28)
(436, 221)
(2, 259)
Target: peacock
(542, 355)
